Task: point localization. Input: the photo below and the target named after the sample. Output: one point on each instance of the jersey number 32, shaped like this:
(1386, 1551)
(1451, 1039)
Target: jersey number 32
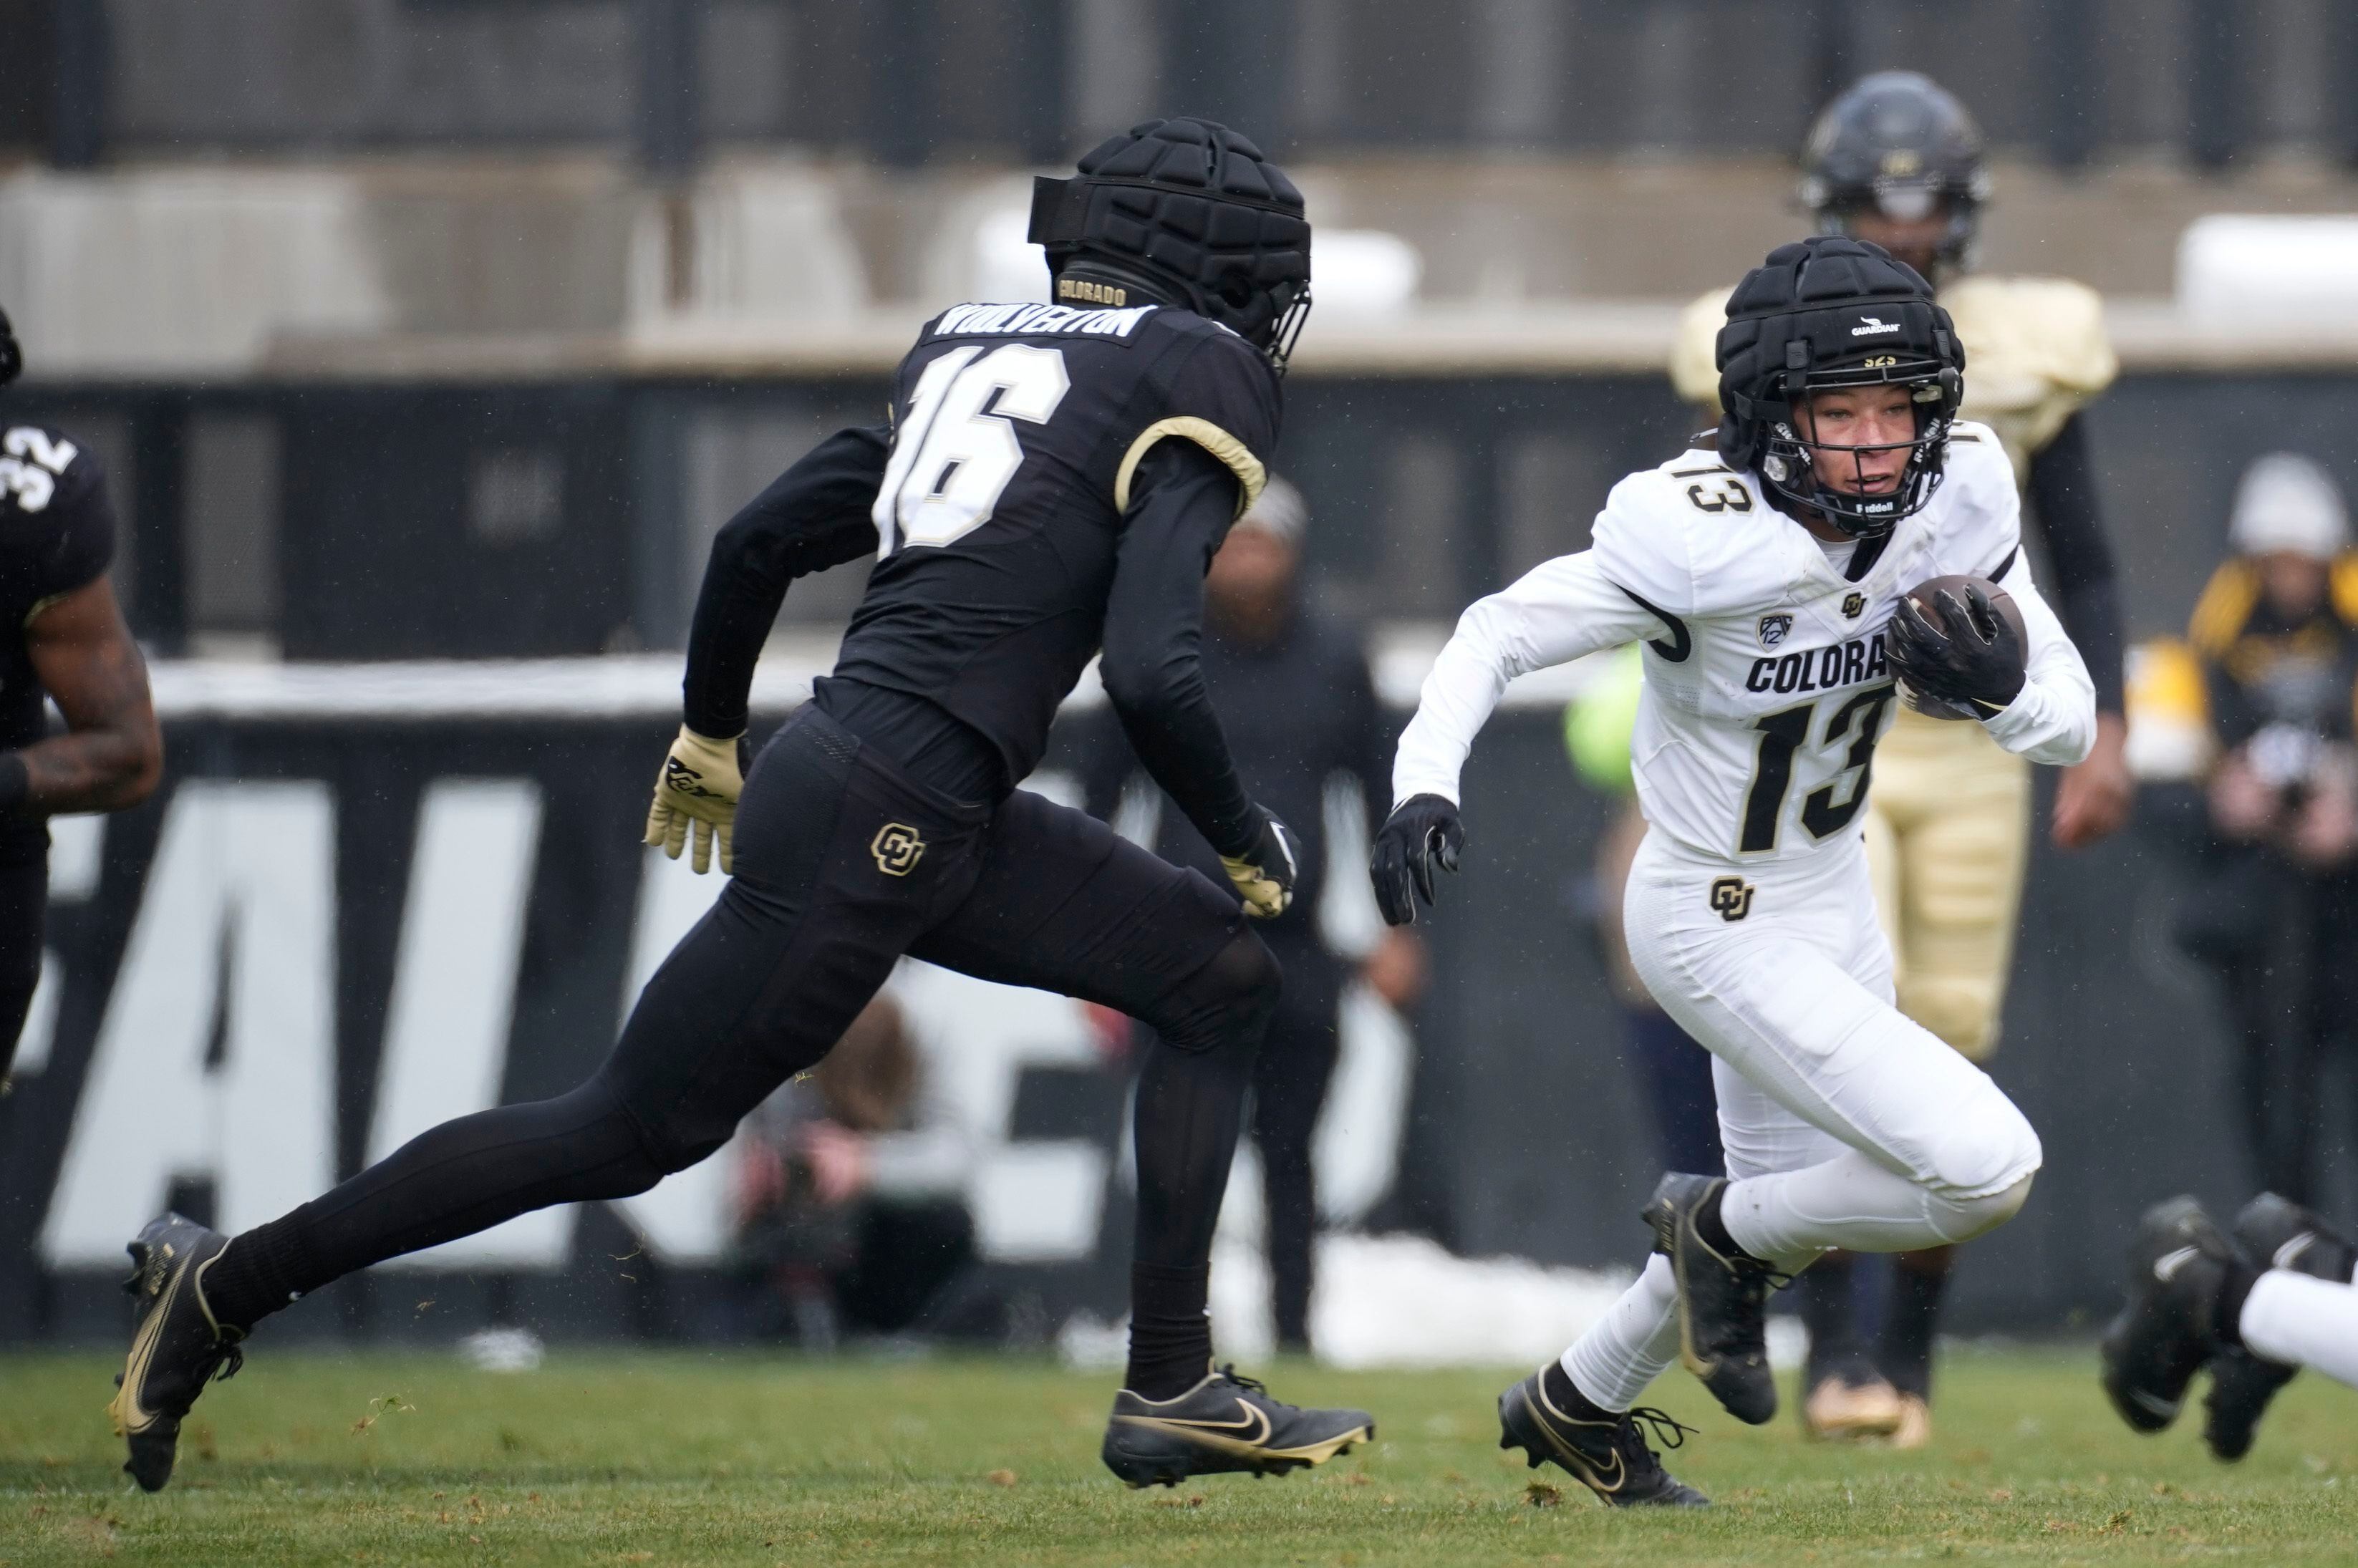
(956, 450)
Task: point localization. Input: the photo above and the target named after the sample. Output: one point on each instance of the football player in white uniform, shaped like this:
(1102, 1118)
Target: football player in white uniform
(1769, 581)
(1898, 160)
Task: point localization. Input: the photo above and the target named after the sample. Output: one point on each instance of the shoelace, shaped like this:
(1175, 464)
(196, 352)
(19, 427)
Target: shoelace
(1667, 1428)
(1253, 1385)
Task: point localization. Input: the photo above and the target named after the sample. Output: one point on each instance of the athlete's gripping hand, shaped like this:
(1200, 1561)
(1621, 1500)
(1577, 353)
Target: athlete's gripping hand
(1421, 832)
(702, 781)
(1264, 874)
(1960, 648)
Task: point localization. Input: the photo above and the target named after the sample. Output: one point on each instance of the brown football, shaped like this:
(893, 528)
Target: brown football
(1924, 596)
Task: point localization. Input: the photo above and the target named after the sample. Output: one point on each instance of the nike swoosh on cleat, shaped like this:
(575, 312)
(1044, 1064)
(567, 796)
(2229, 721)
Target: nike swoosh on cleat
(2154, 1404)
(1253, 1430)
(131, 1415)
(2166, 1267)
(2288, 1255)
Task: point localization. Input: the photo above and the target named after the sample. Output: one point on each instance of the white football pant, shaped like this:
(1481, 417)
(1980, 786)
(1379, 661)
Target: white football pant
(1846, 1123)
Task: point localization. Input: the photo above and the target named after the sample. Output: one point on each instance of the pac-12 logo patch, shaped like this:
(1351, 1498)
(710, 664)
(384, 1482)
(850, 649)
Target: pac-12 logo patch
(1854, 605)
(1731, 898)
(1775, 629)
(897, 849)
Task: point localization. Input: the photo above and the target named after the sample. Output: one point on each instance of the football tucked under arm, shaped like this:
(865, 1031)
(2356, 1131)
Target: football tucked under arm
(1996, 651)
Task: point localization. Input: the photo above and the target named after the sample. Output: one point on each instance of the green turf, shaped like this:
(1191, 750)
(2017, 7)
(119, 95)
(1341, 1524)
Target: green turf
(687, 1458)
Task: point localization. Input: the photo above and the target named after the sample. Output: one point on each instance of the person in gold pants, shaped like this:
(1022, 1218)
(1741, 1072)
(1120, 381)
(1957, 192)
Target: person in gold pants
(1897, 160)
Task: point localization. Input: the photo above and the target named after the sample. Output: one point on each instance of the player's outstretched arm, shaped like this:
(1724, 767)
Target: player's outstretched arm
(111, 753)
(1182, 501)
(815, 515)
(1560, 611)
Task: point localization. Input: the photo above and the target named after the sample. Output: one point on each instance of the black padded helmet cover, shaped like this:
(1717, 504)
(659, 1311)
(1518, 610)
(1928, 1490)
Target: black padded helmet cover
(1823, 312)
(1185, 208)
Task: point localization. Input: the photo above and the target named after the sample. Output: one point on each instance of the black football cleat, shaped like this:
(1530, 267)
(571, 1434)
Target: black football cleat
(1722, 1302)
(2271, 1233)
(2178, 1262)
(177, 1348)
(1223, 1424)
(1611, 1457)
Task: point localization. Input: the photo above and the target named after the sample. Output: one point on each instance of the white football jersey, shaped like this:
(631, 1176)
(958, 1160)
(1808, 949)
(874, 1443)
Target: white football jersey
(1767, 678)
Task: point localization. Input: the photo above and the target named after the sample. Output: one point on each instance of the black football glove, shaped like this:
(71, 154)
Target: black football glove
(1422, 831)
(1964, 653)
(1264, 874)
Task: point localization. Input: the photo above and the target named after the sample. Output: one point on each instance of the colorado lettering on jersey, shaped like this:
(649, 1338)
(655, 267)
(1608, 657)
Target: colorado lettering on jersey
(966, 320)
(1821, 669)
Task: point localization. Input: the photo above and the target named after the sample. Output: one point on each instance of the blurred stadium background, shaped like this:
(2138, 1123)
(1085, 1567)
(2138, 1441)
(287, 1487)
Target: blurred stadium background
(449, 330)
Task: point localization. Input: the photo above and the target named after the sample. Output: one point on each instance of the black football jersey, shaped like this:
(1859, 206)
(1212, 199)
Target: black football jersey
(1017, 430)
(57, 534)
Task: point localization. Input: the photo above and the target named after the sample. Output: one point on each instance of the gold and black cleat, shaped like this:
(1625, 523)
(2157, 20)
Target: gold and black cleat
(1723, 1301)
(2178, 1262)
(1225, 1423)
(1603, 1451)
(177, 1347)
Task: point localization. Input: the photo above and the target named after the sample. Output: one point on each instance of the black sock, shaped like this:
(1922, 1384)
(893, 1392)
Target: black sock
(260, 1272)
(1828, 1293)
(1907, 1355)
(1565, 1395)
(2227, 1310)
(1170, 1330)
(1714, 1230)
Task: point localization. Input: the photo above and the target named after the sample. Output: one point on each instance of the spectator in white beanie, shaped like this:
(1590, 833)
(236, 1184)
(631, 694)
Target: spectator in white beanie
(2288, 503)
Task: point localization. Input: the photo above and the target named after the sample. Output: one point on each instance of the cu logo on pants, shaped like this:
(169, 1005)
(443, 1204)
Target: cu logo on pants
(896, 847)
(1731, 898)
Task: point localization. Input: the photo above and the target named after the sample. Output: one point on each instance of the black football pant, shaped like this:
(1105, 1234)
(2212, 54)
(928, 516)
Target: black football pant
(843, 864)
(24, 902)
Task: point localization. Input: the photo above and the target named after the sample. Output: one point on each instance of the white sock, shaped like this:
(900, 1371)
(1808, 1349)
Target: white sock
(1632, 1344)
(2303, 1322)
(1849, 1201)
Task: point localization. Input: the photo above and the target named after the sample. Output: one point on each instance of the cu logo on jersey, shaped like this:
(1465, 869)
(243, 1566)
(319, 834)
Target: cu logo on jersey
(897, 849)
(1731, 898)
(1775, 629)
(1854, 606)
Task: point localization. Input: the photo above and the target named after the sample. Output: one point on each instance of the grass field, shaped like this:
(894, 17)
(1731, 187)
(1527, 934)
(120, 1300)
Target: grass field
(687, 1458)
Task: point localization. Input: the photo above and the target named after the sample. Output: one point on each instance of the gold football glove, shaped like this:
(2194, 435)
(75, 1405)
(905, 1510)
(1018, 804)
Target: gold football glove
(1264, 874)
(702, 781)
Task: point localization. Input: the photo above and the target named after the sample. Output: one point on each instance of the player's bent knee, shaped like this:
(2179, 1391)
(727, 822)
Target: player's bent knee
(1969, 1218)
(1227, 1002)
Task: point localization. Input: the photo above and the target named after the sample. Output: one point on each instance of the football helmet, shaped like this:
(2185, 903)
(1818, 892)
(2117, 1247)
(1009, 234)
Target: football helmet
(1899, 144)
(1826, 312)
(1185, 213)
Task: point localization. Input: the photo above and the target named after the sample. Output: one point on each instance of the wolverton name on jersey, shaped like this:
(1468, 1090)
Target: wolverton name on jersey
(1017, 432)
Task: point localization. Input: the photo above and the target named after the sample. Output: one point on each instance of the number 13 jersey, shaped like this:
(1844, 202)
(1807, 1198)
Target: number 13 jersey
(1017, 432)
(1767, 676)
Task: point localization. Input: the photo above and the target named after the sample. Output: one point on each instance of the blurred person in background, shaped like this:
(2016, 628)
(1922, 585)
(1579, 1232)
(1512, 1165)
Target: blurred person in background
(1897, 160)
(67, 644)
(1671, 1068)
(850, 1188)
(2277, 633)
(1293, 691)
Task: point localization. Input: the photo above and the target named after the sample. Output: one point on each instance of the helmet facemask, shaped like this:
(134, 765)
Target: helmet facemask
(1789, 466)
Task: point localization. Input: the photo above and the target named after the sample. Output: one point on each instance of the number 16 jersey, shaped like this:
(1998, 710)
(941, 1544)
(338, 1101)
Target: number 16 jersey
(1018, 431)
(1767, 672)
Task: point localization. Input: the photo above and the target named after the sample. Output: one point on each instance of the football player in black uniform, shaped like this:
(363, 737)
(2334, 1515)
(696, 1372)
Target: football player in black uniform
(67, 644)
(1055, 481)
